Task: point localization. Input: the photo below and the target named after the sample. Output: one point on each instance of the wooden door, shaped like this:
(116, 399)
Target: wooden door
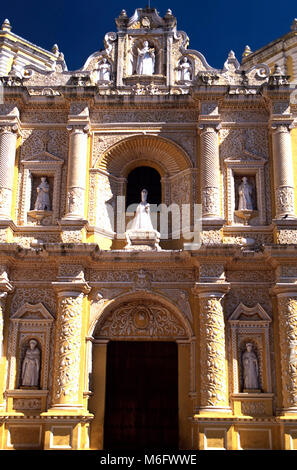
(141, 409)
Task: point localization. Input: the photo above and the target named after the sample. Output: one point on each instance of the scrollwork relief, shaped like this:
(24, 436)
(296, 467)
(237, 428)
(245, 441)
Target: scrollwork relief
(213, 378)
(67, 353)
(141, 319)
(288, 347)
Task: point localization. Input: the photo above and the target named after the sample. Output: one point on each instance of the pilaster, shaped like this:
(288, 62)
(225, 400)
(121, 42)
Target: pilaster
(68, 375)
(209, 125)
(74, 220)
(5, 289)
(283, 170)
(213, 380)
(287, 313)
(9, 130)
(77, 164)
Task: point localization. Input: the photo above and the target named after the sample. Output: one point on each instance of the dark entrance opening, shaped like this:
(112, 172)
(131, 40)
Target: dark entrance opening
(143, 177)
(141, 409)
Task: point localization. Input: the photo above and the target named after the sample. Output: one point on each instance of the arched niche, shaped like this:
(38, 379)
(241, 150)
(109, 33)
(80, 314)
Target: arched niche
(108, 177)
(132, 56)
(29, 322)
(140, 316)
(167, 154)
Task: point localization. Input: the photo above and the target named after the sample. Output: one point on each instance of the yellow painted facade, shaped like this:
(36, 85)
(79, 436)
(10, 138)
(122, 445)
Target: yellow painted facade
(73, 282)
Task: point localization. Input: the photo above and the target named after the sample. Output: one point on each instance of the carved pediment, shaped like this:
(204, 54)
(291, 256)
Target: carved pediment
(32, 311)
(251, 314)
(245, 156)
(42, 157)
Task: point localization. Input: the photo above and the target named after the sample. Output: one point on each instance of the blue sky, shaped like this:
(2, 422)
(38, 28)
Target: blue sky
(214, 27)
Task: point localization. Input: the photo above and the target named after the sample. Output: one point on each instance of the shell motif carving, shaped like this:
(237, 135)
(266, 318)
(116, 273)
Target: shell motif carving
(147, 319)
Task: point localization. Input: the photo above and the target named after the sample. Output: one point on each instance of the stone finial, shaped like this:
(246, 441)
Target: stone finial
(6, 26)
(123, 13)
(169, 12)
(294, 25)
(247, 51)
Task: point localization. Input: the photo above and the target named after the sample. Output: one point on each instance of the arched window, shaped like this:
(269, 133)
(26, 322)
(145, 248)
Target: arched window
(140, 178)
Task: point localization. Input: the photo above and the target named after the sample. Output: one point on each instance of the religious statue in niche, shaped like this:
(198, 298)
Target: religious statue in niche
(103, 71)
(31, 366)
(250, 369)
(142, 219)
(246, 208)
(145, 60)
(42, 202)
(245, 192)
(185, 70)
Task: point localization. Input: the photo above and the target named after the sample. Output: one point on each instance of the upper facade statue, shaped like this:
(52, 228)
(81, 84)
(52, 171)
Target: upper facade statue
(146, 60)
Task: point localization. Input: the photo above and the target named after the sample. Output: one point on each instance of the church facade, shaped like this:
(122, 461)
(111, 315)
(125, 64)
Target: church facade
(164, 318)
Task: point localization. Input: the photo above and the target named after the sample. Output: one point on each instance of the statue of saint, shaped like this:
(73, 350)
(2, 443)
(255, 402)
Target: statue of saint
(31, 365)
(104, 70)
(245, 192)
(145, 60)
(42, 202)
(142, 219)
(185, 70)
(250, 368)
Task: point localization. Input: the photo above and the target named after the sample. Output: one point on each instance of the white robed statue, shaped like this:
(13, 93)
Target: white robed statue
(245, 192)
(31, 365)
(250, 368)
(42, 202)
(104, 70)
(142, 219)
(145, 60)
(185, 70)
(141, 234)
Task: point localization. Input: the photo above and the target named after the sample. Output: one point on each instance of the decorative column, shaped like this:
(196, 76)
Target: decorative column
(77, 166)
(3, 296)
(287, 314)
(210, 171)
(68, 344)
(283, 171)
(213, 379)
(5, 289)
(8, 140)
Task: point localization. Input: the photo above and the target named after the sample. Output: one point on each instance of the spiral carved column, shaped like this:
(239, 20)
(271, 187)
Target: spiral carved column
(283, 171)
(8, 140)
(210, 172)
(287, 312)
(213, 380)
(77, 165)
(68, 345)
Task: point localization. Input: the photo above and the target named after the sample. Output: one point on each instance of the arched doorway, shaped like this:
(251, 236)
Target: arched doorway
(142, 375)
